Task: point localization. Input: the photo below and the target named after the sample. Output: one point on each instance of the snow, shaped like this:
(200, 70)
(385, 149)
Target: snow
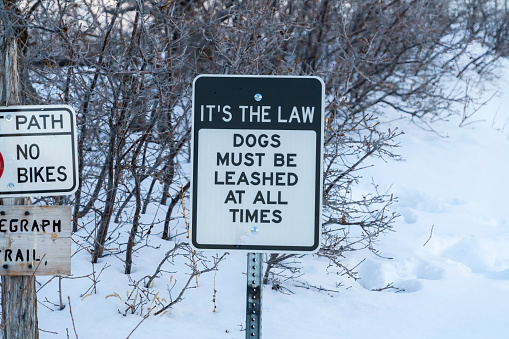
(448, 276)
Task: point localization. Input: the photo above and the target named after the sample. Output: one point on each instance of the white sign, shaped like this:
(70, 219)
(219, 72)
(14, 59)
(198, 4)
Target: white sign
(257, 154)
(38, 151)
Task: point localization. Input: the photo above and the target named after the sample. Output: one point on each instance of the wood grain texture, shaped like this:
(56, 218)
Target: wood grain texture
(35, 239)
(19, 296)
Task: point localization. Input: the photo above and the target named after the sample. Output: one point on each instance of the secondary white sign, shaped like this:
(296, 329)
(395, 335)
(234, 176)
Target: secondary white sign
(257, 144)
(38, 151)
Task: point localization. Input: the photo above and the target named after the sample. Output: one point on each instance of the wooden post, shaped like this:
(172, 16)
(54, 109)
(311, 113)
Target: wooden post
(19, 297)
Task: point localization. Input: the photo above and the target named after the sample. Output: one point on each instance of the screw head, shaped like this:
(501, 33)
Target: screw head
(255, 230)
(258, 97)
(8, 117)
(10, 185)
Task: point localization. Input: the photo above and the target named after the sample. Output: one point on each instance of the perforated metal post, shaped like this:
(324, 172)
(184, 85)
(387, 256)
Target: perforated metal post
(254, 296)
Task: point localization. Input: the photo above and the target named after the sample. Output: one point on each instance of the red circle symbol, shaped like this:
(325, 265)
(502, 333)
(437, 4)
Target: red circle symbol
(1, 165)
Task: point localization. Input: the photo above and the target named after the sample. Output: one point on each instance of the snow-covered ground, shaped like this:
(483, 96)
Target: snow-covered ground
(449, 268)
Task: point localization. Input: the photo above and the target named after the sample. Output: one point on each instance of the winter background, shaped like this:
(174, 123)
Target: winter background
(443, 273)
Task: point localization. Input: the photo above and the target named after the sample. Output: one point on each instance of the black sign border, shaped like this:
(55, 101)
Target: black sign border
(318, 180)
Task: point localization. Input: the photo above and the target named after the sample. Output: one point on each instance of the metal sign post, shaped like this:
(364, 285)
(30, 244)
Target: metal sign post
(254, 295)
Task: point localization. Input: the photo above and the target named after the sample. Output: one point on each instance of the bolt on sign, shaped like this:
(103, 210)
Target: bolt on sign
(35, 239)
(257, 144)
(38, 151)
